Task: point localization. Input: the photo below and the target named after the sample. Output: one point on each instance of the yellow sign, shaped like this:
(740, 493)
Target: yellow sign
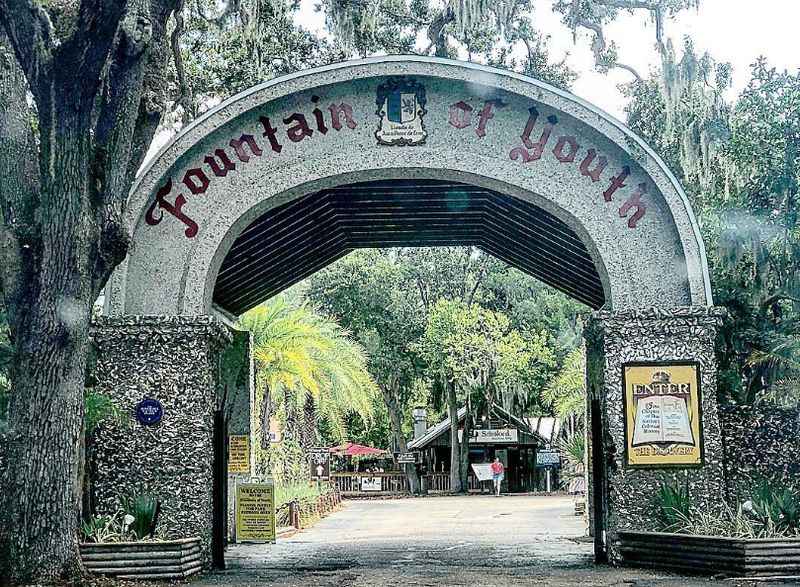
(239, 454)
(255, 512)
(662, 415)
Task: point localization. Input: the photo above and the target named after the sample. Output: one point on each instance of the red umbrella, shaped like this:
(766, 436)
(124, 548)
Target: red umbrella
(351, 449)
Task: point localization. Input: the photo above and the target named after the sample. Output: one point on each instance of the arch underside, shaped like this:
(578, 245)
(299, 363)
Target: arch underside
(292, 241)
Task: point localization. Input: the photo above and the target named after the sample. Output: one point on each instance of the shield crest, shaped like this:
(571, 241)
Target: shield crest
(401, 107)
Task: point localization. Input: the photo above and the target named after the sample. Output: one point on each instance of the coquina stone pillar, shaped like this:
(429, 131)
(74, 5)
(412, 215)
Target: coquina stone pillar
(175, 360)
(655, 336)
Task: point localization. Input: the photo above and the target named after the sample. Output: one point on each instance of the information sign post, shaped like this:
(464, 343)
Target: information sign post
(255, 512)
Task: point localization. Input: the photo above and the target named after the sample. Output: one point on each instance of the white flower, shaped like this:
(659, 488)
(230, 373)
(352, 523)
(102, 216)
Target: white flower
(127, 520)
(747, 506)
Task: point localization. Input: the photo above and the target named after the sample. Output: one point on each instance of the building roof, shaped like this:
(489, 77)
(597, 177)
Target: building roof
(444, 426)
(545, 426)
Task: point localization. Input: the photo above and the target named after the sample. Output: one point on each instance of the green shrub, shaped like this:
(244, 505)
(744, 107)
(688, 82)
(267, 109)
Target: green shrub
(102, 529)
(776, 507)
(143, 508)
(674, 506)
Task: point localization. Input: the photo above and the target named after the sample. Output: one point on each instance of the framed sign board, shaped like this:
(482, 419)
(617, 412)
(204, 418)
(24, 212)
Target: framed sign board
(663, 415)
(255, 512)
(238, 454)
(319, 461)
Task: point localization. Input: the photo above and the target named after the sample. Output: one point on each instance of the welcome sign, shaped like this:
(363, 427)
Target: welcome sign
(662, 415)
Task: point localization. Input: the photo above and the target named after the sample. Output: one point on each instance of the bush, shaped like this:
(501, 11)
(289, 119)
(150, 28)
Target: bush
(102, 529)
(674, 506)
(777, 507)
(772, 512)
(141, 513)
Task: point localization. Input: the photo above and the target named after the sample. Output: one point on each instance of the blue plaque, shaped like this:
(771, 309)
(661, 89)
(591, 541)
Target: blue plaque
(149, 411)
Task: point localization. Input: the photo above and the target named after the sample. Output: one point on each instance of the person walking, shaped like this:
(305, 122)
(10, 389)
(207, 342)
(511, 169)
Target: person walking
(498, 472)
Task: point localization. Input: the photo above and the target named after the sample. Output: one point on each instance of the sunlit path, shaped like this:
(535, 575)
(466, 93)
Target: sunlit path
(510, 540)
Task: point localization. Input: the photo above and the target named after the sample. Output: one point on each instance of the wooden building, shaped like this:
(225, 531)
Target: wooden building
(502, 435)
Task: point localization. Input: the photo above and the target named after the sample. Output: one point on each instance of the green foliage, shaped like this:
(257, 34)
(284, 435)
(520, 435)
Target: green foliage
(573, 447)
(297, 492)
(776, 507)
(143, 508)
(771, 512)
(728, 522)
(566, 392)
(300, 353)
(284, 461)
(385, 297)
(741, 166)
(479, 351)
(102, 529)
(674, 506)
(99, 408)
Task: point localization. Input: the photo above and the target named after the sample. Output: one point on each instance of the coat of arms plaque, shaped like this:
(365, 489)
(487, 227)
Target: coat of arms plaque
(401, 108)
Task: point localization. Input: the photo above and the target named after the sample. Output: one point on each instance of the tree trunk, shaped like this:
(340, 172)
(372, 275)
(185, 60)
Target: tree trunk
(396, 423)
(265, 415)
(464, 452)
(52, 343)
(42, 509)
(455, 445)
(308, 433)
(60, 238)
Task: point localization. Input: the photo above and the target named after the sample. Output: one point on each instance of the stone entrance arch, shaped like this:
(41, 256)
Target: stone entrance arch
(286, 177)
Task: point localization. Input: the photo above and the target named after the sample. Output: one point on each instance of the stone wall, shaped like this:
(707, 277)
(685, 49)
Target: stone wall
(761, 443)
(679, 334)
(174, 359)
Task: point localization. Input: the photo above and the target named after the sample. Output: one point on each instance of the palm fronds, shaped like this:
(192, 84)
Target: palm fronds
(300, 353)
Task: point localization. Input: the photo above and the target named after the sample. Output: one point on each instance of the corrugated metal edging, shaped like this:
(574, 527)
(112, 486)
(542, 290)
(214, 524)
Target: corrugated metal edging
(735, 557)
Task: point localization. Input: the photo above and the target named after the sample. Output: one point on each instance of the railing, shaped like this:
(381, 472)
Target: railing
(304, 512)
(370, 483)
(440, 483)
(363, 484)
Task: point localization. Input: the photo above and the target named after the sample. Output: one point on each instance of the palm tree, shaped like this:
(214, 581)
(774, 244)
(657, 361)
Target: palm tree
(779, 364)
(566, 392)
(306, 363)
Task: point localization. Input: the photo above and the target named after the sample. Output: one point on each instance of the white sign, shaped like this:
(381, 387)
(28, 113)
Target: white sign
(496, 436)
(371, 484)
(483, 471)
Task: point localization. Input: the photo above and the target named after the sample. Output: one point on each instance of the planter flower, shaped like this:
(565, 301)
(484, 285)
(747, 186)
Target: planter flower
(125, 545)
(761, 538)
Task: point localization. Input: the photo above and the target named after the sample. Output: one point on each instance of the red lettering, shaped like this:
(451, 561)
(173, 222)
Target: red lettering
(558, 150)
(238, 147)
(336, 113)
(300, 130)
(485, 114)
(460, 114)
(616, 183)
(635, 201)
(318, 116)
(189, 181)
(599, 168)
(269, 132)
(175, 210)
(536, 149)
(227, 164)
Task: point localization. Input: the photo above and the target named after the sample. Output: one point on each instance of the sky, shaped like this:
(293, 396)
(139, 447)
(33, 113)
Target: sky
(737, 31)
